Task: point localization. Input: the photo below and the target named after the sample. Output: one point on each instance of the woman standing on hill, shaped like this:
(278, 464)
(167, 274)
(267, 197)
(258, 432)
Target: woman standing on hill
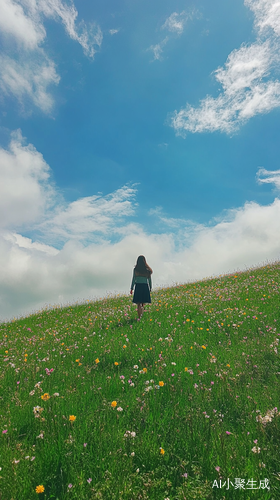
(143, 284)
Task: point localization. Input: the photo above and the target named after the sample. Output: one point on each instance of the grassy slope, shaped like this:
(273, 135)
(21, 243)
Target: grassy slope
(213, 344)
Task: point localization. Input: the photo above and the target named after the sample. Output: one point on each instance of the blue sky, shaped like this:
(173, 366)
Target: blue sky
(135, 127)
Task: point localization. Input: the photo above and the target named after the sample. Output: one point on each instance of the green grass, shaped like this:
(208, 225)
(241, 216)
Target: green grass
(213, 344)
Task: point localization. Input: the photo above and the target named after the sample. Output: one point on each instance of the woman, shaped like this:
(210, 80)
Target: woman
(143, 284)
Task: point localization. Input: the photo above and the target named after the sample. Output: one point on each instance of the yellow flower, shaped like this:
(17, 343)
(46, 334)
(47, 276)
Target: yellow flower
(40, 488)
(116, 363)
(203, 347)
(162, 451)
(6, 352)
(97, 360)
(161, 384)
(186, 369)
(124, 346)
(228, 366)
(26, 355)
(114, 404)
(72, 418)
(45, 396)
(145, 370)
(77, 360)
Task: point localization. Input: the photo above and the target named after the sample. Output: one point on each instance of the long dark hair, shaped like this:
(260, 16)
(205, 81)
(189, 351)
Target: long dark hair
(142, 268)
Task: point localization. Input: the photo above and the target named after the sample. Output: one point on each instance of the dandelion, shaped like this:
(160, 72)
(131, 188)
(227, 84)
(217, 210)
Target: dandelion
(116, 363)
(203, 347)
(40, 489)
(186, 369)
(97, 361)
(161, 384)
(124, 346)
(228, 365)
(114, 404)
(45, 396)
(162, 451)
(145, 370)
(72, 418)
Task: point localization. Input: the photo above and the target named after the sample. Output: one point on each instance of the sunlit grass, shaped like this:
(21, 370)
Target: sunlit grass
(98, 405)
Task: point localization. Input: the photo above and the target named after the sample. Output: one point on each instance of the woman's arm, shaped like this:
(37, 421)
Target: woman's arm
(133, 281)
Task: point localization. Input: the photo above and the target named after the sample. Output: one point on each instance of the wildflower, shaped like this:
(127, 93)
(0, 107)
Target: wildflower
(185, 475)
(195, 386)
(97, 361)
(190, 372)
(32, 393)
(203, 347)
(162, 451)
(132, 454)
(40, 489)
(72, 418)
(218, 468)
(124, 346)
(256, 449)
(77, 360)
(228, 365)
(56, 394)
(135, 367)
(122, 377)
(85, 444)
(228, 433)
(5, 431)
(114, 404)
(212, 383)
(89, 480)
(145, 370)
(40, 436)
(70, 485)
(161, 384)
(45, 396)
(119, 408)
(186, 369)
(173, 363)
(116, 363)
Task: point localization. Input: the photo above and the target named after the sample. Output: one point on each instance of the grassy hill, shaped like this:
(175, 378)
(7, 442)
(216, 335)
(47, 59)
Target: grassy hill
(183, 404)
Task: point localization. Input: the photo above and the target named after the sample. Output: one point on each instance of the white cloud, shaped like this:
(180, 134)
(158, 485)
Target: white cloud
(25, 189)
(28, 80)
(113, 32)
(267, 14)
(14, 22)
(273, 177)
(247, 90)
(158, 49)
(31, 72)
(176, 22)
(35, 273)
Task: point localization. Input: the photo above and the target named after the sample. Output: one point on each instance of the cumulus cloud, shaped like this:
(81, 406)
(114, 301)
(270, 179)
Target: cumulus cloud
(247, 86)
(37, 272)
(30, 72)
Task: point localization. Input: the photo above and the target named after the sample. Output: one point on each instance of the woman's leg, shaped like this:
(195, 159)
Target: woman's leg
(139, 311)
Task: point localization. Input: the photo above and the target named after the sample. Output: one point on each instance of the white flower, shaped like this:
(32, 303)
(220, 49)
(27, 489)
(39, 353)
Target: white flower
(136, 367)
(119, 408)
(32, 393)
(132, 384)
(256, 449)
(173, 363)
(147, 382)
(132, 454)
(56, 394)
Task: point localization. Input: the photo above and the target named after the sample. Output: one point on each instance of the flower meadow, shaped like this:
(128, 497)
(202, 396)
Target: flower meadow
(182, 404)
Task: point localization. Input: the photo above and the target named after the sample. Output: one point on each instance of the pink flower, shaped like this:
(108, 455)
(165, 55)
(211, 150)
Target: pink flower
(172, 374)
(89, 480)
(85, 444)
(218, 468)
(255, 441)
(227, 432)
(4, 432)
(212, 383)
